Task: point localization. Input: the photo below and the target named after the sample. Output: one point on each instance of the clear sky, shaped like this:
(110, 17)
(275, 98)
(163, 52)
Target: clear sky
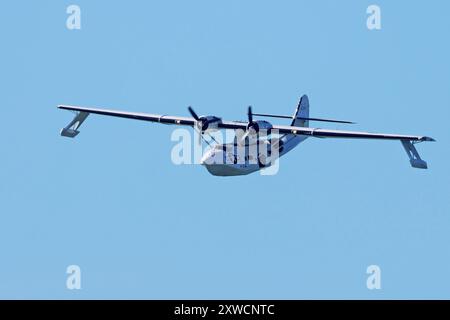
(112, 202)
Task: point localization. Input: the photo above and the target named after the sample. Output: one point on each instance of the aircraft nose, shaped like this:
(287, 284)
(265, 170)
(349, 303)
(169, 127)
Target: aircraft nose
(207, 159)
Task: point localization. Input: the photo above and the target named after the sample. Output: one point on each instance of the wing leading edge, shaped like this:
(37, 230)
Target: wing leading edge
(133, 115)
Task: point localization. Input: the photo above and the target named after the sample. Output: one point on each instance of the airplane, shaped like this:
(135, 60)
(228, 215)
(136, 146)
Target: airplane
(290, 136)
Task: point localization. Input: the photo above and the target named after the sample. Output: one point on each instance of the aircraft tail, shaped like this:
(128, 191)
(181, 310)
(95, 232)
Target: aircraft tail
(302, 111)
(300, 118)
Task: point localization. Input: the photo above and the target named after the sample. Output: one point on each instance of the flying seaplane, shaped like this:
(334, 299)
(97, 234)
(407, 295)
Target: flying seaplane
(226, 160)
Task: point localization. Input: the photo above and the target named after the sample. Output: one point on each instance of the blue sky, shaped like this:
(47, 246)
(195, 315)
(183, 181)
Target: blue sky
(112, 202)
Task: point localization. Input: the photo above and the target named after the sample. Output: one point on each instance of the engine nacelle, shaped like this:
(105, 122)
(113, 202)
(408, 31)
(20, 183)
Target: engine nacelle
(208, 123)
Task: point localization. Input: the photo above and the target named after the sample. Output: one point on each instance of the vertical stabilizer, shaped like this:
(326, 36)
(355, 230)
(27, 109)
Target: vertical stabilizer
(302, 111)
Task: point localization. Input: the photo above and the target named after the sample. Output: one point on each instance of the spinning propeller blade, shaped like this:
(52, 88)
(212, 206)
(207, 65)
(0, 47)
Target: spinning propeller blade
(193, 114)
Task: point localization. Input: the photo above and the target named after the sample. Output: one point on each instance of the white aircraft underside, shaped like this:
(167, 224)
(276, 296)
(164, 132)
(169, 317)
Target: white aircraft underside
(217, 160)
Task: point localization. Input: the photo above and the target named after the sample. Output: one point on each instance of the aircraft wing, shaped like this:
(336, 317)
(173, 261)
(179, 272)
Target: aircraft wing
(71, 130)
(83, 112)
(326, 133)
(408, 141)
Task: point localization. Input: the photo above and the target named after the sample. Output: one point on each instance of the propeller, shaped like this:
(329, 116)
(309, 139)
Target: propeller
(199, 124)
(251, 124)
(203, 123)
(193, 114)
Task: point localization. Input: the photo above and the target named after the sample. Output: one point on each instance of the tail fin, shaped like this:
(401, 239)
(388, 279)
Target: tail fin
(302, 111)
